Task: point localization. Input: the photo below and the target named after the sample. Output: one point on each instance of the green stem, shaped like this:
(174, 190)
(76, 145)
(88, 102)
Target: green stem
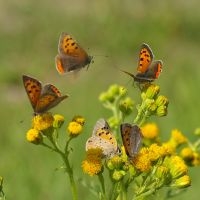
(101, 180)
(67, 165)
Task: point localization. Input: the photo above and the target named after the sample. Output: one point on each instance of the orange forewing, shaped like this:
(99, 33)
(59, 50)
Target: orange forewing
(42, 98)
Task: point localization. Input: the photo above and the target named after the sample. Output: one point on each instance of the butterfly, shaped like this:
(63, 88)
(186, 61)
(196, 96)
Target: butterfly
(42, 98)
(147, 70)
(103, 138)
(131, 138)
(71, 56)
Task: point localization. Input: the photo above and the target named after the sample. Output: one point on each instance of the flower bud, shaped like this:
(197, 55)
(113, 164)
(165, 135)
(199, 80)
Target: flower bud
(126, 106)
(182, 182)
(58, 121)
(118, 175)
(150, 92)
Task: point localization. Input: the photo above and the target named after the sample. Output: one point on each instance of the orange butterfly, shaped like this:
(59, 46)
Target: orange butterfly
(71, 57)
(131, 137)
(42, 98)
(147, 70)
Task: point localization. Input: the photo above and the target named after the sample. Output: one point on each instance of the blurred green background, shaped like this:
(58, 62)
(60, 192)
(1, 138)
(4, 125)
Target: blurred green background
(29, 32)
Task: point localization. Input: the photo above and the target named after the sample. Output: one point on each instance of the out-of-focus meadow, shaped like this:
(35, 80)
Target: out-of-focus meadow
(112, 31)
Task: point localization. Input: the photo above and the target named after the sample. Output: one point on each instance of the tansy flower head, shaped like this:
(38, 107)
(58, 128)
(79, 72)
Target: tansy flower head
(187, 154)
(192, 158)
(74, 128)
(182, 182)
(58, 121)
(79, 119)
(150, 131)
(43, 121)
(92, 165)
(34, 136)
(196, 159)
(177, 138)
(176, 166)
(142, 160)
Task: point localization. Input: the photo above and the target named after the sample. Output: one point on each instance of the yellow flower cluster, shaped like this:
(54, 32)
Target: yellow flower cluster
(41, 124)
(75, 127)
(43, 121)
(92, 165)
(144, 159)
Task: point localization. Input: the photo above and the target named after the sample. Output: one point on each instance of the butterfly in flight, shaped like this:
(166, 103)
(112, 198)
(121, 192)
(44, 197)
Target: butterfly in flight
(103, 138)
(71, 56)
(42, 98)
(131, 138)
(147, 70)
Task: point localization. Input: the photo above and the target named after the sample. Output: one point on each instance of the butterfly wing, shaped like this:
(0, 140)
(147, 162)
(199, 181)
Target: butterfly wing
(98, 142)
(70, 55)
(33, 89)
(152, 72)
(145, 58)
(103, 138)
(131, 137)
(49, 98)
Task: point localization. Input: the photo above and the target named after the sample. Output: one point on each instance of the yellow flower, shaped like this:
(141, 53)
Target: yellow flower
(187, 154)
(196, 159)
(116, 162)
(92, 165)
(182, 182)
(177, 138)
(154, 152)
(43, 121)
(150, 131)
(176, 165)
(58, 121)
(166, 149)
(74, 128)
(142, 160)
(34, 136)
(79, 119)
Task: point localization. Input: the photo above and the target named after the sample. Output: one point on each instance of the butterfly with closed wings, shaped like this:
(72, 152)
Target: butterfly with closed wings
(131, 138)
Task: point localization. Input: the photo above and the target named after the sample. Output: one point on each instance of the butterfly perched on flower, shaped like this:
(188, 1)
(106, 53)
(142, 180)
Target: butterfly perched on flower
(71, 56)
(131, 138)
(147, 70)
(42, 98)
(103, 138)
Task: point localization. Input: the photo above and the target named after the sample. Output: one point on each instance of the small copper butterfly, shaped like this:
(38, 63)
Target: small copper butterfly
(131, 137)
(103, 138)
(42, 98)
(71, 57)
(148, 70)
